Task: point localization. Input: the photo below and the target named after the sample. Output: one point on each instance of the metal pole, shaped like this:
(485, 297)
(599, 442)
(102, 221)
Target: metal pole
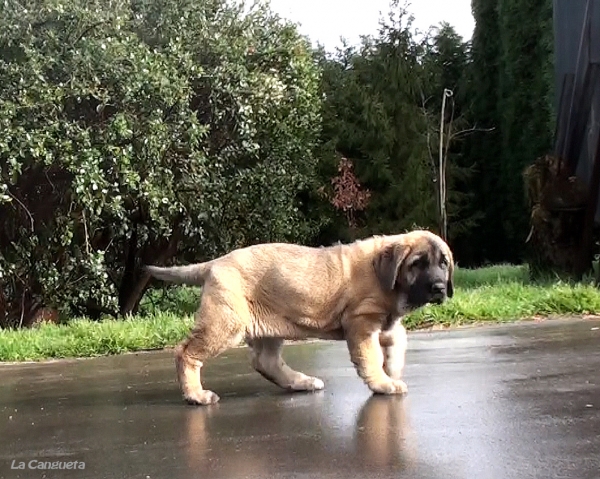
(442, 170)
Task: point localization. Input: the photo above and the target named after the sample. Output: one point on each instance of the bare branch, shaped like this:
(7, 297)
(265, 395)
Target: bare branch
(25, 208)
(471, 130)
(88, 30)
(50, 181)
(22, 310)
(424, 108)
(449, 136)
(442, 167)
(85, 230)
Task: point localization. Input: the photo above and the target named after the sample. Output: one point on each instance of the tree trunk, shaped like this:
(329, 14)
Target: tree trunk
(135, 282)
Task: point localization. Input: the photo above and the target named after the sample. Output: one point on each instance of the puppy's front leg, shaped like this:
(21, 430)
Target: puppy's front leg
(362, 337)
(393, 342)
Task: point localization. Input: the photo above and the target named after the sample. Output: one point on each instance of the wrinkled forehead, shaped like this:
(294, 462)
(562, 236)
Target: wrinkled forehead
(435, 248)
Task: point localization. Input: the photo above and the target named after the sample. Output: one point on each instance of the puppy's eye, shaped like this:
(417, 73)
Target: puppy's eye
(444, 261)
(420, 262)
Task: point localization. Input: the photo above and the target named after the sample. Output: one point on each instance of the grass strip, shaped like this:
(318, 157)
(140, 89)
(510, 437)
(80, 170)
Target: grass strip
(492, 294)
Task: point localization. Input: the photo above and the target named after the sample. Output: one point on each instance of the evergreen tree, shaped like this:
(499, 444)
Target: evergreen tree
(525, 106)
(510, 83)
(483, 146)
(382, 111)
(373, 115)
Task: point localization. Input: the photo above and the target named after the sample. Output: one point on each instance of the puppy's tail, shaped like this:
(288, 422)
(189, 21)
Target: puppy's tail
(192, 274)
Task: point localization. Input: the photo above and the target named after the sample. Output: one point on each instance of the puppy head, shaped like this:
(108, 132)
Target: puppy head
(419, 266)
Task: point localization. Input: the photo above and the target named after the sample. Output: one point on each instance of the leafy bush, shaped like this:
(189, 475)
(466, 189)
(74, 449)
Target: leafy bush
(139, 132)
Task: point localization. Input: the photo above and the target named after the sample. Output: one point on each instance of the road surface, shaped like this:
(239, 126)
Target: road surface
(504, 402)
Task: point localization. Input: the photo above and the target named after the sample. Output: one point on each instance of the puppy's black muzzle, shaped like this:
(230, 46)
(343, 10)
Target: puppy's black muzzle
(438, 293)
(426, 291)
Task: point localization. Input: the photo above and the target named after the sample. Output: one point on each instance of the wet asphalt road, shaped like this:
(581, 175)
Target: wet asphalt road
(508, 402)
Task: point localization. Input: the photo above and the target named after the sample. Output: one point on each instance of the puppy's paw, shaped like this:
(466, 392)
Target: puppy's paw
(394, 369)
(393, 386)
(203, 397)
(306, 383)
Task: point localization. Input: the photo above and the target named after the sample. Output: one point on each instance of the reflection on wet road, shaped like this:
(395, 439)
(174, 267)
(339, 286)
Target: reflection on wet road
(506, 402)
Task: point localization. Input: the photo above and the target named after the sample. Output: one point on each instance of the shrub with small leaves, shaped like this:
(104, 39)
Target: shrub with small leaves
(142, 132)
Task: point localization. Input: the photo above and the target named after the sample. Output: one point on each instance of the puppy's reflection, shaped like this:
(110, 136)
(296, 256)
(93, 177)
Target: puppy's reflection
(199, 441)
(382, 435)
(218, 456)
(379, 438)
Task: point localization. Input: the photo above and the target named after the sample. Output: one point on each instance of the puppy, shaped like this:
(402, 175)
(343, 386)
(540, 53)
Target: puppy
(267, 293)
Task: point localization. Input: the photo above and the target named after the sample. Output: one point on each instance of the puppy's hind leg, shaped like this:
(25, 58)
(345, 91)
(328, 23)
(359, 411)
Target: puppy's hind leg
(215, 331)
(267, 360)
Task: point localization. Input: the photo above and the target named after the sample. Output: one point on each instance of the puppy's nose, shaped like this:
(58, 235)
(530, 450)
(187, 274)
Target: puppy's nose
(438, 289)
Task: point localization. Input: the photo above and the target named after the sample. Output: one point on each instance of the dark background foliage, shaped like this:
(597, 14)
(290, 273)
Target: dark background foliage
(162, 131)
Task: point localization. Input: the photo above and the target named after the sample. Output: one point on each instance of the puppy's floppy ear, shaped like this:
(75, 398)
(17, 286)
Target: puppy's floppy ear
(387, 264)
(450, 284)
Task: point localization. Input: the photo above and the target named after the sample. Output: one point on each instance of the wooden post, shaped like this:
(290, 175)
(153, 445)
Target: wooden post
(586, 250)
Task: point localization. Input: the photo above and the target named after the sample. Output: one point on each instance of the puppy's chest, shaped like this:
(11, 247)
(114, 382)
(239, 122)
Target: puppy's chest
(390, 321)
